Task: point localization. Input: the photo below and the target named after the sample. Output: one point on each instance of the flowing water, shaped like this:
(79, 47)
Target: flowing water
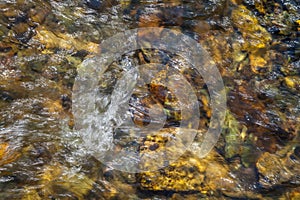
(44, 45)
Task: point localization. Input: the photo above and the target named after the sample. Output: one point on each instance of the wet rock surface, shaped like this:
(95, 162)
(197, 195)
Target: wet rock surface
(255, 45)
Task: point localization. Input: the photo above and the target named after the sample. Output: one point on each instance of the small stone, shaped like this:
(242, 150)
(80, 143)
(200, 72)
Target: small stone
(7, 154)
(257, 61)
(53, 40)
(256, 36)
(38, 15)
(292, 82)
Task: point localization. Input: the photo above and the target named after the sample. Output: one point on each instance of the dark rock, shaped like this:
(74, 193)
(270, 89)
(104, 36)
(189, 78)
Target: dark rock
(66, 102)
(94, 4)
(297, 152)
(5, 96)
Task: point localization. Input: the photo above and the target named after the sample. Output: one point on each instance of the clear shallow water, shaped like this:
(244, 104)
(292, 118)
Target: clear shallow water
(42, 43)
